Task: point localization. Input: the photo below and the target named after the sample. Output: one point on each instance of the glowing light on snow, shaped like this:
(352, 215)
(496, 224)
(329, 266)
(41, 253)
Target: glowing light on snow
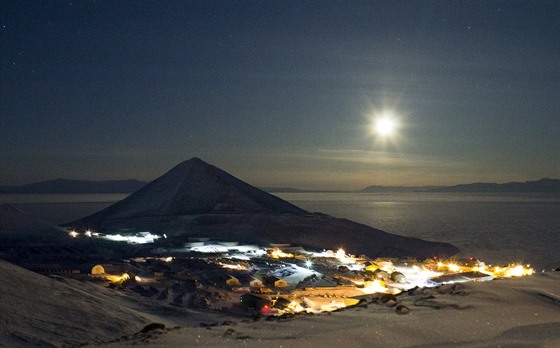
(343, 258)
(376, 286)
(279, 254)
(139, 238)
(294, 307)
(238, 267)
(308, 263)
(516, 271)
(453, 267)
(209, 249)
(248, 250)
(117, 278)
(340, 253)
(73, 234)
(240, 257)
(511, 271)
(88, 233)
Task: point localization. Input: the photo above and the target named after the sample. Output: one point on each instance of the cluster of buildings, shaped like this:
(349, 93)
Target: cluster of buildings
(281, 278)
(228, 276)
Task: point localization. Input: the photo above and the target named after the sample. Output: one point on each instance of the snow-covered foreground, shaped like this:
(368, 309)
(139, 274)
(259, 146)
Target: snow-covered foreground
(521, 312)
(38, 310)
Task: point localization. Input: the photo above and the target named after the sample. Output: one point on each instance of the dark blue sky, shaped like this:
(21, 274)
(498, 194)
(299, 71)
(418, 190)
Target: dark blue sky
(281, 93)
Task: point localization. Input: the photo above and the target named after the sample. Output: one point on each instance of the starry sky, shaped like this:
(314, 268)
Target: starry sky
(281, 93)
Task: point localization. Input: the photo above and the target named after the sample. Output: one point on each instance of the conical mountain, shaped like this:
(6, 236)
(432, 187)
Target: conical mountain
(196, 199)
(195, 187)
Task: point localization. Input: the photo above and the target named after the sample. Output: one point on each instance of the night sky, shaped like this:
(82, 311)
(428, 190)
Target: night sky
(281, 93)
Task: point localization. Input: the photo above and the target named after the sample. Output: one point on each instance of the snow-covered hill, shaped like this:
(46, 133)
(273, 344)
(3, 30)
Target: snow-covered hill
(16, 226)
(41, 311)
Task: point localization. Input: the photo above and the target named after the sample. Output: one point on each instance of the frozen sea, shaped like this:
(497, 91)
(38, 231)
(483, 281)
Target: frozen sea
(497, 228)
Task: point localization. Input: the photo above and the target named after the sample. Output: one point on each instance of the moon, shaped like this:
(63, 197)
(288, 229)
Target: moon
(385, 125)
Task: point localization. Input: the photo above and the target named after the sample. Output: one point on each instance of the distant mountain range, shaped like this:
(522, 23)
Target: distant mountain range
(63, 186)
(294, 190)
(542, 185)
(76, 186)
(283, 189)
(379, 188)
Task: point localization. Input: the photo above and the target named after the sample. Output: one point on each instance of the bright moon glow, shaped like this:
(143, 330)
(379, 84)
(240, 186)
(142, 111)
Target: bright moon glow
(385, 126)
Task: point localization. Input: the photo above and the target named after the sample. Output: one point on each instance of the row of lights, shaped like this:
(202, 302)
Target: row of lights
(88, 233)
